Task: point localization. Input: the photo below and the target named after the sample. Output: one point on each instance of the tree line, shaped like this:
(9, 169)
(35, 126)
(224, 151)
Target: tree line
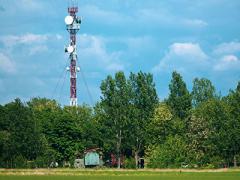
(197, 128)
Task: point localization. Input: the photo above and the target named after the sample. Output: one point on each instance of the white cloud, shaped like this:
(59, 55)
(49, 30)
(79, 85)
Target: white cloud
(139, 43)
(29, 38)
(227, 48)
(18, 8)
(142, 17)
(104, 16)
(188, 50)
(189, 58)
(31, 6)
(167, 18)
(133, 46)
(228, 62)
(58, 37)
(31, 43)
(154, 15)
(115, 67)
(195, 22)
(30, 3)
(182, 57)
(6, 64)
(93, 49)
(37, 49)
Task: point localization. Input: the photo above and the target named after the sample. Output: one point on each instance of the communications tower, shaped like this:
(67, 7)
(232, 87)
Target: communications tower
(73, 25)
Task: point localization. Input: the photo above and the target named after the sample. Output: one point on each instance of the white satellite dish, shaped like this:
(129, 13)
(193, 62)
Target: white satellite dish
(70, 49)
(68, 20)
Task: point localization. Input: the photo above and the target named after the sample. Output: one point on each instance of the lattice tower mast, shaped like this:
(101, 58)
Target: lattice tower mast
(73, 25)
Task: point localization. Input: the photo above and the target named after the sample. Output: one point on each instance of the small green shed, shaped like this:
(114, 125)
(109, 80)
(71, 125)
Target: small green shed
(92, 158)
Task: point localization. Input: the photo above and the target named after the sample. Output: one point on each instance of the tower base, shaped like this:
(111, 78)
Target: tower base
(73, 102)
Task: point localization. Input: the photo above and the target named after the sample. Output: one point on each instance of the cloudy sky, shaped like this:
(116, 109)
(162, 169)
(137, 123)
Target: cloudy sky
(198, 38)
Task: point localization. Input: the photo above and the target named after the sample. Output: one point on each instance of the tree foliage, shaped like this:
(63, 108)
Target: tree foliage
(202, 91)
(208, 135)
(160, 126)
(143, 101)
(179, 99)
(115, 103)
(171, 154)
(129, 122)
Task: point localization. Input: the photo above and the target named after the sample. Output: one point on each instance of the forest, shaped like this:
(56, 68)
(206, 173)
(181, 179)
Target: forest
(195, 128)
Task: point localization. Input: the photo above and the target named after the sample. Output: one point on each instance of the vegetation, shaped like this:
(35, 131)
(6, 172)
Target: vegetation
(68, 174)
(187, 129)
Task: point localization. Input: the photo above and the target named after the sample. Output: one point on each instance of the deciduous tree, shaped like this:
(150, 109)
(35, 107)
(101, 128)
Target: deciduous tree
(202, 91)
(179, 99)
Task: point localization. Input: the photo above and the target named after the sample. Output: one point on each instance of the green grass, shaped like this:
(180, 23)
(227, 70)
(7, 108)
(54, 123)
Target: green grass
(123, 174)
(131, 176)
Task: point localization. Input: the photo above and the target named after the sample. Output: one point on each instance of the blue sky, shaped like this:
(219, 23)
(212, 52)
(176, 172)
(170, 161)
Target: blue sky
(198, 38)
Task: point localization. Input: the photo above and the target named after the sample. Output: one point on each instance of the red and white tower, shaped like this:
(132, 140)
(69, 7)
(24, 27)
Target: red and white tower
(73, 25)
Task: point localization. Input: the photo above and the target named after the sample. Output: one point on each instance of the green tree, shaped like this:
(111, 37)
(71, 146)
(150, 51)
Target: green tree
(23, 139)
(143, 100)
(4, 135)
(102, 125)
(66, 136)
(160, 126)
(68, 131)
(46, 112)
(171, 154)
(208, 132)
(202, 91)
(233, 100)
(198, 135)
(115, 103)
(179, 99)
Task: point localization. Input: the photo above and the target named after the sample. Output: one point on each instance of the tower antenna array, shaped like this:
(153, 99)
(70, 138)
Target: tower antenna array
(73, 25)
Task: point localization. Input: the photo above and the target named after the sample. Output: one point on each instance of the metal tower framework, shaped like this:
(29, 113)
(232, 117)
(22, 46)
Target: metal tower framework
(73, 25)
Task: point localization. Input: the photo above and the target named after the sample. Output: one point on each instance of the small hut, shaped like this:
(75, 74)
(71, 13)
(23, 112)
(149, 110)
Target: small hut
(92, 157)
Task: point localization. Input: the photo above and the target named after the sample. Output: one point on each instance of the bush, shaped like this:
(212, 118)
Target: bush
(19, 162)
(171, 154)
(129, 163)
(216, 162)
(41, 162)
(209, 166)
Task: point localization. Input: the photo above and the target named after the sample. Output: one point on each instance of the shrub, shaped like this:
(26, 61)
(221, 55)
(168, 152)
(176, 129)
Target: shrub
(129, 163)
(171, 154)
(19, 162)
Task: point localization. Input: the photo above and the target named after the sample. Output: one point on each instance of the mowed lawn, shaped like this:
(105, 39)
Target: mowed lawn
(130, 176)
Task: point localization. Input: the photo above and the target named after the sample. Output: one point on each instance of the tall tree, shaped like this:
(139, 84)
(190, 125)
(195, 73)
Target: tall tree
(179, 99)
(143, 102)
(47, 112)
(202, 91)
(66, 134)
(233, 100)
(24, 138)
(103, 124)
(208, 132)
(4, 135)
(68, 130)
(115, 103)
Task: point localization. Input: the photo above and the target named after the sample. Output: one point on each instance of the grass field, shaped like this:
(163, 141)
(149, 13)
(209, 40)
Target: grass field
(68, 174)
